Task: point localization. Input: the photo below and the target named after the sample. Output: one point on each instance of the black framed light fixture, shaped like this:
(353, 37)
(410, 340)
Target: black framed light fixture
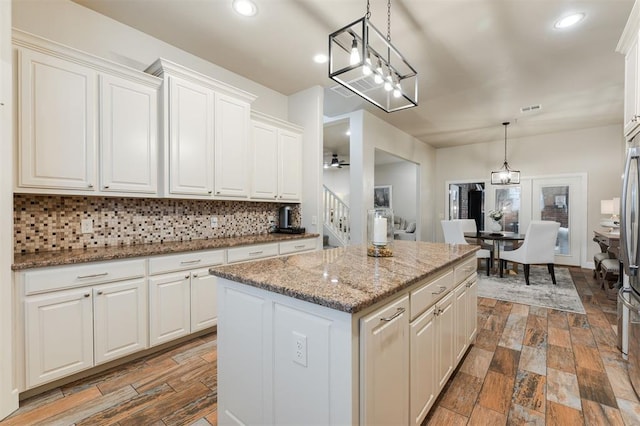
(364, 61)
(505, 176)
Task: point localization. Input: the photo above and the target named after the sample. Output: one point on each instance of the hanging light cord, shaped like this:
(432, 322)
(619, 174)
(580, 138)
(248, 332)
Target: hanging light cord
(388, 20)
(505, 124)
(368, 15)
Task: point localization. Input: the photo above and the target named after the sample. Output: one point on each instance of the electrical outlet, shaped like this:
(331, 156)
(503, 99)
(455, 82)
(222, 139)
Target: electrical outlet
(214, 221)
(314, 220)
(86, 226)
(299, 348)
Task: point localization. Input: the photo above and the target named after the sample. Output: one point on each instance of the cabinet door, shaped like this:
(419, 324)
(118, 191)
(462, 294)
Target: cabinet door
(56, 130)
(472, 311)
(59, 335)
(191, 136)
(232, 125)
(204, 311)
(264, 155)
(169, 312)
(385, 365)
(445, 355)
(423, 355)
(128, 136)
(461, 337)
(631, 96)
(120, 319)
(290, 166)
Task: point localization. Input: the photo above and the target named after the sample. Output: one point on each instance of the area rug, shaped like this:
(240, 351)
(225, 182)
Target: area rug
(541, 291)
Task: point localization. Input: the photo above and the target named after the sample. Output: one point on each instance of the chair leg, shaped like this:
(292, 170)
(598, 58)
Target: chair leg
(550, 267)
(488, 260)
(501, 266)
(526, 273)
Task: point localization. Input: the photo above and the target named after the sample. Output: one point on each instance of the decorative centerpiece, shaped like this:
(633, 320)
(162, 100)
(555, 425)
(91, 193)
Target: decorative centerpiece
(494, 224)
(380, 232)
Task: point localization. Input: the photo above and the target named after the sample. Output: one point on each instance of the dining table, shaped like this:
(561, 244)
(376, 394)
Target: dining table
(496, 238)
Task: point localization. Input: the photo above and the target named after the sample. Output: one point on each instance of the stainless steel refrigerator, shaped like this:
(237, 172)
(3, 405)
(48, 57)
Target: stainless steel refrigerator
(629, 295)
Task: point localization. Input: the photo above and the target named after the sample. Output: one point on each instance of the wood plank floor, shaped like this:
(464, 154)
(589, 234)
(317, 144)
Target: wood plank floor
(529, 366)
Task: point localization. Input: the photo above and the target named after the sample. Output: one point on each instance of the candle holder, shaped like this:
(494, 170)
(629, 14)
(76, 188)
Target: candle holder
(380, 232)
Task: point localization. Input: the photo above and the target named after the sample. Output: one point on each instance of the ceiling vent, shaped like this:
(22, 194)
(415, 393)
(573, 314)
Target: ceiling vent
(363, 84)
(531, 108)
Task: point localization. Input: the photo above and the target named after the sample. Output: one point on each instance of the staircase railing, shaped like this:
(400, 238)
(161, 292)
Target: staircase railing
(336, 216)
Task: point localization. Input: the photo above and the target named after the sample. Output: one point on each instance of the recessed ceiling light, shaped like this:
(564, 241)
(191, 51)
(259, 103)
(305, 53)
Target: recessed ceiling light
(320, 58)
(569, 20)
(245, 7)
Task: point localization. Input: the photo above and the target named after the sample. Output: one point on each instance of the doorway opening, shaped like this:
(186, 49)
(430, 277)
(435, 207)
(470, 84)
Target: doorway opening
(466, 201)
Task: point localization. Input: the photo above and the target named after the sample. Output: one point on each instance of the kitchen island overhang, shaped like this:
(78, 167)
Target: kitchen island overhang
(291, 347)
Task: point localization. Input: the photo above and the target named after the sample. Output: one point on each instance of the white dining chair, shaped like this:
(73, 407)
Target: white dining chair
(537, 248)
(453, 234)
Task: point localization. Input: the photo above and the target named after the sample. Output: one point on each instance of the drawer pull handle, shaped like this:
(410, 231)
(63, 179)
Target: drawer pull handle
(399, 312)
(255, 253)
(81, 277)
(299, 246)
(442, 289)
(190, 262)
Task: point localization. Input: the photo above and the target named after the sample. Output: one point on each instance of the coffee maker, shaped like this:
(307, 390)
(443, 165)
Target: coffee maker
(285, 217)
(285, 222)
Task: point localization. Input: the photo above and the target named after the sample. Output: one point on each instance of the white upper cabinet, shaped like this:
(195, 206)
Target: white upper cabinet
(276, 159)
(129, 136)
(231, 147)
(628, 46)
(205, 134)
(191, 138)
(57, 125)
(86, 125)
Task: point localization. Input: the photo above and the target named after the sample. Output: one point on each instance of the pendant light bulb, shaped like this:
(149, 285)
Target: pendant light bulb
(366, 69)
(378, 77)
(388, 83)
(355, 54)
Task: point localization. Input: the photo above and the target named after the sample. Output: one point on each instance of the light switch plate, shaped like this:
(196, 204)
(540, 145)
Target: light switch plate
(214, 221)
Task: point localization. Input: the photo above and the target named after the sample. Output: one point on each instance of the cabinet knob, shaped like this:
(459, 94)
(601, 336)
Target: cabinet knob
(217, 192)
(209, 192)
(106, 187)
(100, 293)
(90, 185)
(195, 275)
(187, 276)
(87, 295)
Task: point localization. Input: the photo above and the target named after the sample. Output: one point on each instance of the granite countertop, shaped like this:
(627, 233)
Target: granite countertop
(66, 257)
(345, 278)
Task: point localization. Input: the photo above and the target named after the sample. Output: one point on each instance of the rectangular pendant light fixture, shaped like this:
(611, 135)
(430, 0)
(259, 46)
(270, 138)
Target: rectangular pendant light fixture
(364, 61)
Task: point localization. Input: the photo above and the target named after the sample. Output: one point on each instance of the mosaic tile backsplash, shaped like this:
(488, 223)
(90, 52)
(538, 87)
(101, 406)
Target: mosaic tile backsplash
(44, 222)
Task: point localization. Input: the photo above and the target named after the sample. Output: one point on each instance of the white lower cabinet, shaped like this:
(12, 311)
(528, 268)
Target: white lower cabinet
(182, 299)
(445, 332)
(384, 342)
(70, 331)
(423, 354)
(59, 335)
(119, 319)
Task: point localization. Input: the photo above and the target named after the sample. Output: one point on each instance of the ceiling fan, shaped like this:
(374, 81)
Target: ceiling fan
(337, 163)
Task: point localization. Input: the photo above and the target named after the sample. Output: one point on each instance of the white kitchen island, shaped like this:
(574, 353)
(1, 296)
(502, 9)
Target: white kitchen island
(337, 337)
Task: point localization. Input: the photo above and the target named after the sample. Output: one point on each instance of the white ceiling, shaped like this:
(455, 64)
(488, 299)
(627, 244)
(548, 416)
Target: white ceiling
(479, 61)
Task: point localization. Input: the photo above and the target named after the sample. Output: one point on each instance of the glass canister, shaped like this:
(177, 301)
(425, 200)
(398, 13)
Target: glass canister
(380, 232)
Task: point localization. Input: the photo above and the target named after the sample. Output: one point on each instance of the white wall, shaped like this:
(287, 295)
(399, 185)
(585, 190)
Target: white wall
(337, 180)
(402, 177)
(369, 133)
(8, 391)
(597, 151)
(305, 109)
(76, 26)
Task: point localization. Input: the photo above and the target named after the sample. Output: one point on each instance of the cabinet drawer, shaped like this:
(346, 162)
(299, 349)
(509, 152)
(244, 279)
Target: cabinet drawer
(241, 254)
(430, 293)
(190, 260)
(465, 269)
(48, 279)
(295, 246)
